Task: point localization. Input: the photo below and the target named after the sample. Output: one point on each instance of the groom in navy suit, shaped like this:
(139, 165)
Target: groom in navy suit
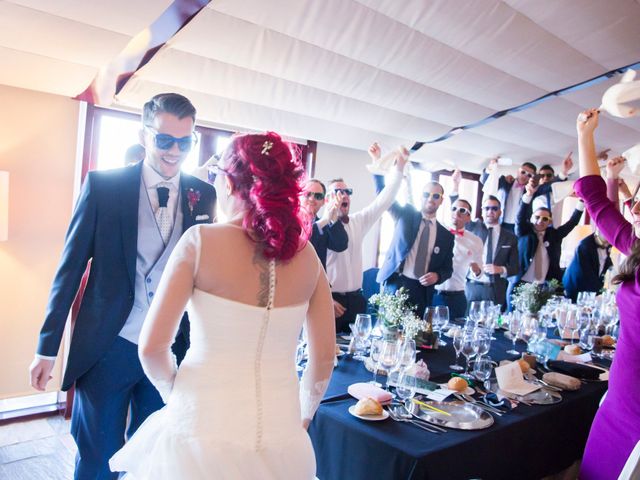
(126, 223)
(421, 252)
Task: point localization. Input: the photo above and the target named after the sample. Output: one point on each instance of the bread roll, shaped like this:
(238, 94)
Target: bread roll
(368, 406)
(573, 349)
(524, 365)
(608, 341)
(457, 384)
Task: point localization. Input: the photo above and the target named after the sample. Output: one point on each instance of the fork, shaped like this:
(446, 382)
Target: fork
(483, 406)
(399, 418)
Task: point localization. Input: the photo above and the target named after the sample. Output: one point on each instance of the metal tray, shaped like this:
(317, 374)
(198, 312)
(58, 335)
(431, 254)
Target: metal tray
(464, 416)
(539, 397)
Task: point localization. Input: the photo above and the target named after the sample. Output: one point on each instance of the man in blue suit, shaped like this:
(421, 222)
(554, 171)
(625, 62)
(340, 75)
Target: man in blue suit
(421, 252)
(125, 224)
(586, 271)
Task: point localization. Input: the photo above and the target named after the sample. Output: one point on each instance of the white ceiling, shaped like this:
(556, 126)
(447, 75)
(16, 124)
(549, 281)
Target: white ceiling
(349, 72)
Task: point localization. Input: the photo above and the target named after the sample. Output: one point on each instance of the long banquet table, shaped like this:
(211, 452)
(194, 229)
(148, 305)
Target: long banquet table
(530, 442)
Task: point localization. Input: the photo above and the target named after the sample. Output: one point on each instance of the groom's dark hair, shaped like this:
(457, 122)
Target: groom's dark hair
(172, 103)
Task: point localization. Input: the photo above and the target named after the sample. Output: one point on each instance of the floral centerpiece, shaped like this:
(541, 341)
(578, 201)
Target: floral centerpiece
(531, 297)
(394, 311)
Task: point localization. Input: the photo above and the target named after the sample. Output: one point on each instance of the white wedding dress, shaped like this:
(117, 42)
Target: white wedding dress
(233, 410)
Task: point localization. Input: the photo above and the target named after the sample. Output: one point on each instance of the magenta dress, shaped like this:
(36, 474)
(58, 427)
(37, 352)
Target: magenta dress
(616, 427)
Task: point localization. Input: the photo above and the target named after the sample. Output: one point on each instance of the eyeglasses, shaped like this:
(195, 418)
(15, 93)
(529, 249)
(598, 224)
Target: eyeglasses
(317, 195)
(435, 196)
(546, 175)
(490, 208)
(165, 141)
(346, 191)
(461, 210)
(541, 218)
(528, 174)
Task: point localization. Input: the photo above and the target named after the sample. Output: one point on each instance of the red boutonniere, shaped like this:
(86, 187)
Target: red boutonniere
(193, 197)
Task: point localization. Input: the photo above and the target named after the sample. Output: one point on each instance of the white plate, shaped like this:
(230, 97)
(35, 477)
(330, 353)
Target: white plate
(369, 418)
(468, 391)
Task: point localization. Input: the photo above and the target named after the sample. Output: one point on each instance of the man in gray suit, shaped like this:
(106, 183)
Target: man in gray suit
(500, 256)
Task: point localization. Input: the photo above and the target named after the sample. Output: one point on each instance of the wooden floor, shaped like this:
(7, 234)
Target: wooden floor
(41, 449)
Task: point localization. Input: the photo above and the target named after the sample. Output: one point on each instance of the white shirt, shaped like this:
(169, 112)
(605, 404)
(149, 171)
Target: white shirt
(512, 202)
(409, 262)
(467, 249)
(344, 269)
(152, 180)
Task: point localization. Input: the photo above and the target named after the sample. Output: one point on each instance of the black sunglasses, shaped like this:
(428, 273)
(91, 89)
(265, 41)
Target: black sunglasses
(528, 174)
(491, 208)
(461, 210)
(165, 141)
(543, 218)
(435, 196)
(317, 195)
(546, 175)
(346, 191)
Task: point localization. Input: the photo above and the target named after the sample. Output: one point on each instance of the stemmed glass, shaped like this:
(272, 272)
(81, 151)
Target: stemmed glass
(514, 330)
(374, 353)
(388, 357)
(405, 386)
(482, 370)
(407, 354)
(482, 341)
(458, 335)
(475, 309)
(468, 349)
(362, 331)
(439, 317)
(528, 330)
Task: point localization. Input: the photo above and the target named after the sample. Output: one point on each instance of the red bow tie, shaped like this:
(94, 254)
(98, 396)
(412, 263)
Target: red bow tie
(457, 232)
(345, 219)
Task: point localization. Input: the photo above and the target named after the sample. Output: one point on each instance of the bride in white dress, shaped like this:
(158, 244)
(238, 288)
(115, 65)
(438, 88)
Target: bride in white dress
(235, 408)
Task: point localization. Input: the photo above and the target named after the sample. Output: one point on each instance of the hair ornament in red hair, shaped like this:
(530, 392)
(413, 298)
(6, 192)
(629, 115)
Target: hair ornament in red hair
(266, 146)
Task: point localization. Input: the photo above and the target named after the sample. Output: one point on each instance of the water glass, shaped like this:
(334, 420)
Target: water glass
(482, 369)
(388, 357)
(362, 331)
(406, 385)
(458, 335)
(514, 330)
(468, 349)
(374, 353)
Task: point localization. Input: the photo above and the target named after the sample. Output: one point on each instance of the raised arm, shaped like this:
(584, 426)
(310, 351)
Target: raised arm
(161, 325)
(565, 229)
(523, 219)
(321, 337)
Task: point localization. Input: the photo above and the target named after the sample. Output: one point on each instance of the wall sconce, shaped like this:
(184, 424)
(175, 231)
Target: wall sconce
(4, 206)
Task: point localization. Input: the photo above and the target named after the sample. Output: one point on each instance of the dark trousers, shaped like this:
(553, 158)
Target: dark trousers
(419, 295)
(496, 291)
(456, 301)
(104, 397)
(354, 303)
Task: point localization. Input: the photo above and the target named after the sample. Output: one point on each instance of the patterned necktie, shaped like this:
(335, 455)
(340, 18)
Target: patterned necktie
(537, 260)
(488, 259)
(420, 266)
(163, 217)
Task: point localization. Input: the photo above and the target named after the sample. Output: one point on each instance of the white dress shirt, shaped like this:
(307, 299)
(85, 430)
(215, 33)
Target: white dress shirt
(512, 203)
(530, 275)
(409, 262)
(152, 180)
(467, 249)
(344, 269)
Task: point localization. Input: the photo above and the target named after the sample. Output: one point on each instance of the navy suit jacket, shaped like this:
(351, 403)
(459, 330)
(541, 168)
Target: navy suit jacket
(407, 223)
(333, 237)
(528, 241)
(104, 229)
(583, 273)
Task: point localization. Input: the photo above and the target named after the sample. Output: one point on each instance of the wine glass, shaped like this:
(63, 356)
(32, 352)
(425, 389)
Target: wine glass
(405, 386)
(407, 354)
(374, 353)
(528, 330)
(439, 317)
(482, 370)
(388, 357)
(514, 330)
(468, 349)
(362, 331)
(458, 334)
(475, 309)
(482, 338)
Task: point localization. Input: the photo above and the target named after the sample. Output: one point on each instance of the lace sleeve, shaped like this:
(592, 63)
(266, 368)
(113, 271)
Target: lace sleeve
(321, 334)
(162, 322)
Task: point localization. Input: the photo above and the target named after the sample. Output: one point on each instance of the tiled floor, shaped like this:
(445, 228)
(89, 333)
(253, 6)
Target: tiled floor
(40, 449)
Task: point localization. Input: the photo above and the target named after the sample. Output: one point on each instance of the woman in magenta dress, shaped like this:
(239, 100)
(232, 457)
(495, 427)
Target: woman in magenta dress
(616, 427)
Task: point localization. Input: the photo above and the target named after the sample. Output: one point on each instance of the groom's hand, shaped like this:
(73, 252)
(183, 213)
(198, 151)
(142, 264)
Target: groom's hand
(40, 371)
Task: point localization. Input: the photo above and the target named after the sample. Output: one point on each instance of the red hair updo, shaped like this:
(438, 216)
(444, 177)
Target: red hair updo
(266, 173)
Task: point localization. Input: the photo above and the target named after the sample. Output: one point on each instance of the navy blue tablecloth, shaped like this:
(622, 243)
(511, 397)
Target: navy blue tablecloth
(529, 442)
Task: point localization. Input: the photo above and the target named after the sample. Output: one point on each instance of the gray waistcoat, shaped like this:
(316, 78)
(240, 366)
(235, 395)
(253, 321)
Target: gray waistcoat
(151, 260)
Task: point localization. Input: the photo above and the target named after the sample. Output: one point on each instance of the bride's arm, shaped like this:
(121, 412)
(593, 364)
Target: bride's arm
(321, 338)
(162, 322)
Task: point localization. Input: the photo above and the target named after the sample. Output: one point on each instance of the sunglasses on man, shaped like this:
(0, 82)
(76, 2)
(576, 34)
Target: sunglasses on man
(317, 195)
(435, 196)
(528, 174)
(164, 141)
(541, 218)
(490, 208)
(460, 210)
(546, 175)
(345, 191)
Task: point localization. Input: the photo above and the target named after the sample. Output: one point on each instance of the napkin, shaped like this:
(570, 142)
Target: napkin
(419, 370)
(510, 379)
(562, 381)
(492, 400)
(575, 369)
(364, 390)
